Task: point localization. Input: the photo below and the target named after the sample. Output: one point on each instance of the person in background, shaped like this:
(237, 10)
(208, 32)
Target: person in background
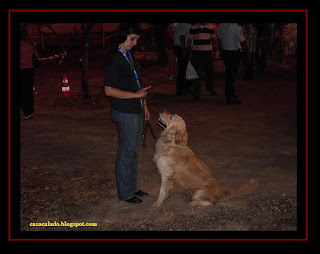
(231, 39)
(169, 46)
(200, 42)
(26, 74)
(181, 52)
(264, 31)
(250, 34)
(128, 108)
(28, 54)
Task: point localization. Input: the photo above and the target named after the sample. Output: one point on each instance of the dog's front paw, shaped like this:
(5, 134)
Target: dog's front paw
(157, 204)
(193, 203)
(200, 203)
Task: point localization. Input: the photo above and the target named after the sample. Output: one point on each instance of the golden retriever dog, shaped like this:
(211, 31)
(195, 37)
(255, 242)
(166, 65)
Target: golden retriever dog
(179, 167)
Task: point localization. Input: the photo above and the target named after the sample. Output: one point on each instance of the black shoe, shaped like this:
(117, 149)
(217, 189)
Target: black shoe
(196, 98)
(134, 199)
(189, 91)
(213, 92)
(234, 100)
(141, 193)
(29, 116)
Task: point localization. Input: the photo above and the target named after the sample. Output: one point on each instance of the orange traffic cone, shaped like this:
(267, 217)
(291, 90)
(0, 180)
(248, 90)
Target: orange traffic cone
(65, 87)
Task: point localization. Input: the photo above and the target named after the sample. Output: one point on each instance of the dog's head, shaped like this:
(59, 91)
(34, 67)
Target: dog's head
(174, 128)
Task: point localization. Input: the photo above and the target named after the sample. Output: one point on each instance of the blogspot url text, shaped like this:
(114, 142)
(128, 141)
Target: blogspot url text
(63, 224)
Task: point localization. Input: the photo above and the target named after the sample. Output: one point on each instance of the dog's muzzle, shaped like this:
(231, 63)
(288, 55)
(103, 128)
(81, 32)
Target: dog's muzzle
(161, 124)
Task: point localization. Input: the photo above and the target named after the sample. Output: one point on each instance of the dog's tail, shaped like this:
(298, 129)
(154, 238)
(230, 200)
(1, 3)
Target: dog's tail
(240, 190)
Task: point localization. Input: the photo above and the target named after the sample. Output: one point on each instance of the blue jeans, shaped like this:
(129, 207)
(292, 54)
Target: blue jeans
(130, 127)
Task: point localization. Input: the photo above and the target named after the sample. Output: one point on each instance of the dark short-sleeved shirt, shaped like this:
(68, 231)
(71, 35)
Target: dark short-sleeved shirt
(168, 39)
(119, 74)
(26, 53)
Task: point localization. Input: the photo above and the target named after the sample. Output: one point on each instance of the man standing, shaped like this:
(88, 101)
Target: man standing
(181, 52)
(201, 40)
(231, 39)
(250, 34)
(263, 43)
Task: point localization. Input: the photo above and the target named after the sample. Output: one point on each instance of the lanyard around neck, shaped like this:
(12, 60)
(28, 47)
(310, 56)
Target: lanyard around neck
(131, 64)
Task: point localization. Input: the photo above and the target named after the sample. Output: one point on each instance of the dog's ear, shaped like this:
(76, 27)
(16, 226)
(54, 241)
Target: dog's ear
(181, 137)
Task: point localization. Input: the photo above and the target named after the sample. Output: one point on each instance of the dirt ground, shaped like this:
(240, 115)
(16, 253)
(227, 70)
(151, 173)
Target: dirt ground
(68, 152)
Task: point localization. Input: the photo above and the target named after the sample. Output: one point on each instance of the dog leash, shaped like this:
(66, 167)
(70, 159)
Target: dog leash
(147, 126)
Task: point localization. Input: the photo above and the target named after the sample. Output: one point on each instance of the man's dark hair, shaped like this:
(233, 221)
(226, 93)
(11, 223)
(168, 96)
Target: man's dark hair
(122, 32)
(120, 36)
(23, 32)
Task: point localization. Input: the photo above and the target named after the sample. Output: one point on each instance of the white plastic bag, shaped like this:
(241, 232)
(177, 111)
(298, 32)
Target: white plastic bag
(191, 72)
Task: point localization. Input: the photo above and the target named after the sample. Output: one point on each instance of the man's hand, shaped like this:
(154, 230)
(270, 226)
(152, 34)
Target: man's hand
(142, 92)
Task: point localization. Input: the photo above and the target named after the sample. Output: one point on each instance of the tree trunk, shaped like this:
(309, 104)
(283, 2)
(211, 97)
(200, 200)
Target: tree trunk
(86, 29)
(158, 30)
